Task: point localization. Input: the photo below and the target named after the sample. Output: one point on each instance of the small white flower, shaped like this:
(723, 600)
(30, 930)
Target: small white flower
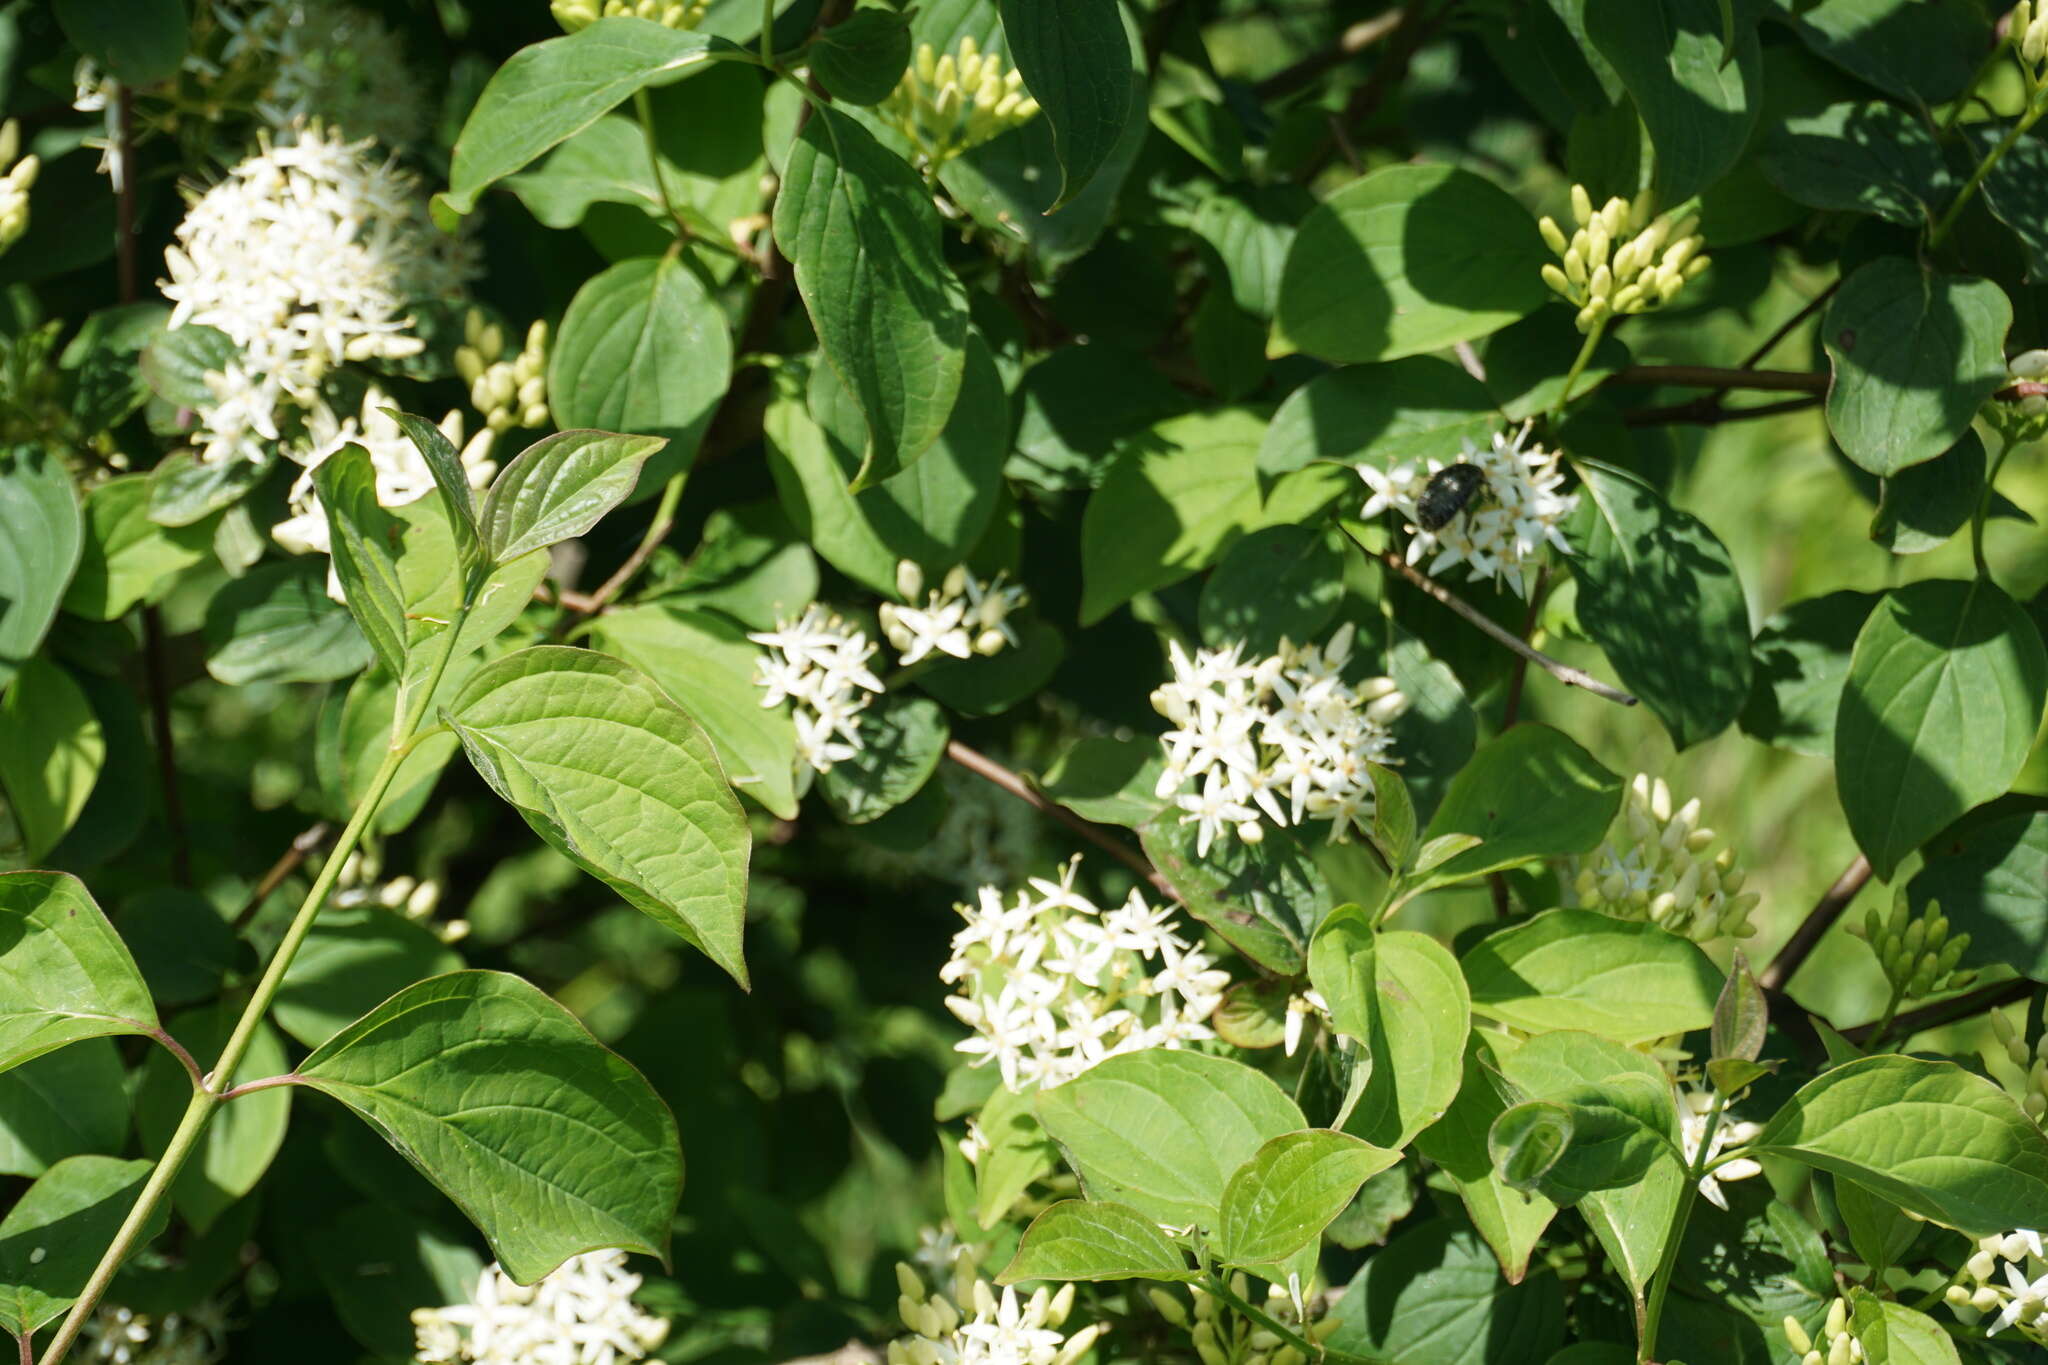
(2028, 1302)
(965, 617)
(818, 663)
(1694, 1106)
(582, 1314)
(1502, 530)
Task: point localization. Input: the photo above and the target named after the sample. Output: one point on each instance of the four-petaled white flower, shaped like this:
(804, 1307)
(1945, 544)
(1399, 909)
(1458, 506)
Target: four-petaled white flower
(1502, 530)
(582, 1314)
(1694, 1109)
(819, 663)
(963, 618)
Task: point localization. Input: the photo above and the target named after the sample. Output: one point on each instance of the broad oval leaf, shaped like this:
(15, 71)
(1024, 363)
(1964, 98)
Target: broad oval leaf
(277, 624)
(62, 1104)
(1929, 1136)
(1281, 1199)
(1698, 100)
(1019, 1152)
(860, 59)
(1435, 1295)
(1284, 582)
(858, 226)
(1076, 61)
(1416, 408)
(1897, 1335)
(65, 975)
(1914, 354)
(558, 487)
(1580, 969)
(613, 774)
(902, 741)
(1511, 1222)
(53, 1237)
(550, 1143)
(352, 958)
(1990, 880)
(1800, 659)
(1163, 1130)
(1410, 259)
(1526, 1141)
(1864, 156)
(1264, 899)
(1944, 695)
(365, 540)
(52, 748)
(1530, 792)
(126, 558)
(1079, 1240)
(42, 532)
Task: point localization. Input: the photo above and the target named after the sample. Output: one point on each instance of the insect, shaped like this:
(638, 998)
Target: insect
(1447, 493)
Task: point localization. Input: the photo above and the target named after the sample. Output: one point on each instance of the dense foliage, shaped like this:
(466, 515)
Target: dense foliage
(1146, 671)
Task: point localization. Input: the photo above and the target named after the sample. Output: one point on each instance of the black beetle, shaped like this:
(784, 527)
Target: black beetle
(1447, 493)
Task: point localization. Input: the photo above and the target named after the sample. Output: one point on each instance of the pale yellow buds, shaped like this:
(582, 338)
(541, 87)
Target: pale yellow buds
(948, 103)
(507, 391)
(14, 185)
(1617, 262)
(2027, 30)
(1658, 864)
(1917, 953)
(575, 14)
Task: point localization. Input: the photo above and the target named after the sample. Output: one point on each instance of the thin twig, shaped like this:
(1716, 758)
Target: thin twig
(1511, 708)
(177, 1049)
(1719, 377)
(1786, 328)
(1563, 672)
(156, 675)
(235, 1092)
(1708, 412)
(986, 768)
(301, 848)
(1818, 921)
(1349, 44)
(1979, 1001)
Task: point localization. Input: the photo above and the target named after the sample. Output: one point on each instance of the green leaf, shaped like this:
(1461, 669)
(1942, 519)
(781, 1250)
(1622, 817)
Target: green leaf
(1944, 696)
(365, 540)
(1922, 53)
(1988, 879)
(1410, 259)
(1866, 156)
(451, 481)
(435, 587)
(1527, 1141)
(1583, 1139)
(1283, 1197)
(176, 360)
(1512, 1223)
(2015, 194)
(1634, 558)
(1879, 1230)
(1109, 781)
(183, 492)
(707, 664)
(61, 1105)
(182, 945)
(1914, 354)
(1929, 1136)
(643, 348)
(1519, 372)
(1893, 1334)
(1433, 1296)
(1580, 969)
(1697, 105)
(352, 958)
(373, 1269)
(1742, 1015)
(1176, 498)
(1801, 658)
(1415, 409)
(137, 42)
(902, 741)
(1919, 508)
(244, 1136)
(126, 558)
(616, 777)
(547, 93)
(1401, 995)
(1076, 61)
(1263, 898)
(1528, 793)
(558, 488)
(550, 1143)
(66, 973)
(52, 748)
(1078, 406)
(1163, 1130)
(990, 684)
(1280, 583)
(858, 225)
(51, 1240)
(277, 624)
(41, 535)
(1074, 1240)
(1019, 1152)
(363, 737)
(860, 59)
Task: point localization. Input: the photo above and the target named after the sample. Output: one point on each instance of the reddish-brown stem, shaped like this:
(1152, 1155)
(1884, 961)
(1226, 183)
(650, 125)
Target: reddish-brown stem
(1818, 921)
(986, 768)
(177, 1049)
(235, 1092)
(301, 848)
(1715, 377)
(1980, 1001)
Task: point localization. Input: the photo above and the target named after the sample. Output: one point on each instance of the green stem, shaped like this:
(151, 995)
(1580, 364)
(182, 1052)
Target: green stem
(1660, 1283)
(644, 109)
(768, 34)
(2012, 135)
(1585, 358)
(1891, 1012)
(1984, 507)
(1991, 59)
(209, 1095)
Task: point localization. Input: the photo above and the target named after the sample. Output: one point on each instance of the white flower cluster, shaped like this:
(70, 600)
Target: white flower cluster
(962, 618)
(2020, 1300)
(114, 1335)
(1655, 866)
(2033, 1064)
(1621, 260)
(1284, 737)
(582, 1314)
(1222, 1336)
(575, 14)
(507, 390)
(948, 103)
(307, 255)
(1501, 530)
(321, 59)
(1693, 1108)
(971, 1325)
(819, 662)
(1051, 984)
(14, 184)
(1834, 1346)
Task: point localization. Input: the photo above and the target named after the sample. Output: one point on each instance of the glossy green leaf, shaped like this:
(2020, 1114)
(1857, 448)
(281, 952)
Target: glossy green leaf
(858, 225)
(66, 973)
(1283, 1197)
(1110, 781)
(51, 1240)
(1866, 156)
(1410, 259)
(1415, 409)
(1634, 557)
(434, 586)
(1163, 1130)
(1263, 898)
(1894, 1334)
(643, 349)
(353, 958)
(1914, 354)
(619, 779)
(365, 540)
(1587, 1138)
(1579, 969)
(860, 59)
(1283, 582)
(137, 42)
(1076, 61)
(277, 624)
(243, 1137)
(1944, 695)
(181, 942)
(126, 558)
(1076, 1240)
(52, 748)
(1800, 660)
(1434, 1296)
(1529, 793)
(41, 535)
(2015, 194)
(550, 1143)
(1511, 1222)
(1988, 880)
(557, 489)
(451, 485)
(1019, 1152)
(1929, 1136)
(63, 1104)
(1697, 102)
(1879, 1230)
(1921, 53)
(550, 91)
(902, 741)
(1921, 507)
(1527, 1141)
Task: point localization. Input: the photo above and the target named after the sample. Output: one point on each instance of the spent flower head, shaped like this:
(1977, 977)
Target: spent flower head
(1501, 530)
(1659, 864)
(819, 663)
(1284, 738)
(1621, 259)
(948, 103)
(1051, 983)
(581, 1314)
(963, 617)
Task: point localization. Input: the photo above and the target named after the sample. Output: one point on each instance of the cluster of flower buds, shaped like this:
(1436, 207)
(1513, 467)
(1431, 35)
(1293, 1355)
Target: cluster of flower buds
(1621, 260)
(971, 1325)
(1834, 1345)
(1224, 1338)
(2027, 29)
(576, 14)
(507, 390)
(2022, 410)
(1655, 866)
(14, 184)
(115, 1335)
(411, 897)
(963, 617)
(2033, 1064)
(948, 104)
(1916, 951)
(2016, 1298)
